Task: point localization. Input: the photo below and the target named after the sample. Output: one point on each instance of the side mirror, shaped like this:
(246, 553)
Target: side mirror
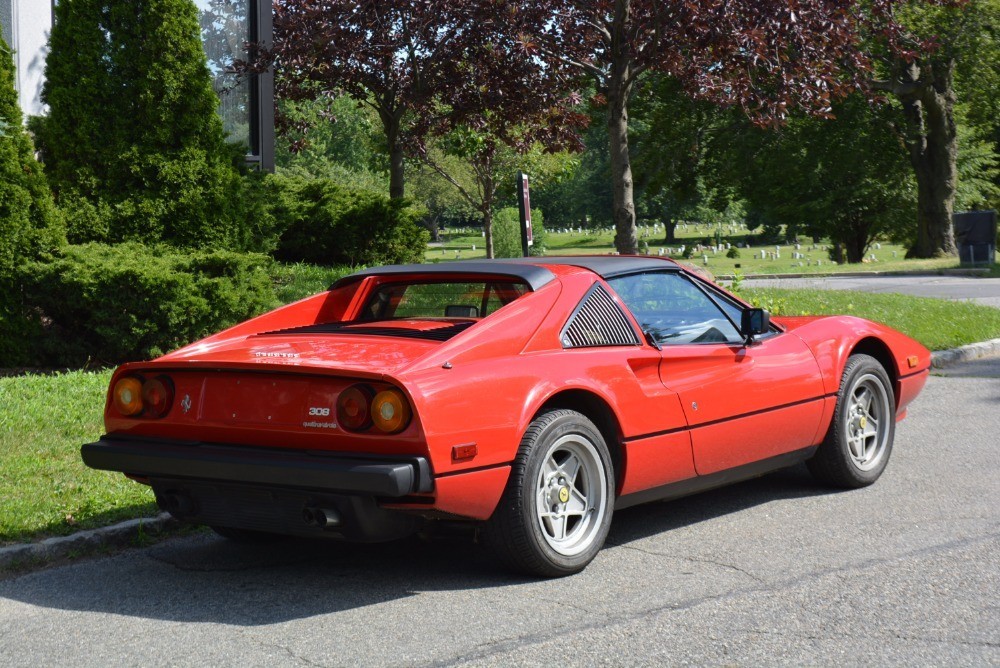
(755, 321)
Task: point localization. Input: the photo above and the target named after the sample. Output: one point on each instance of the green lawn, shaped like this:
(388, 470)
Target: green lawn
(45, 489)
(457, 245)
(936, 323)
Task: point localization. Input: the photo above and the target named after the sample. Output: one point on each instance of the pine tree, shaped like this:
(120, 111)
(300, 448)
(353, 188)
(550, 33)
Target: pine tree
(132, 131)
(29, 221)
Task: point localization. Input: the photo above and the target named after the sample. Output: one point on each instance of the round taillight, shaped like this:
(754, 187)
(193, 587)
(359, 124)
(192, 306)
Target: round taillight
(353, 407)
(127, 395)
(157, 396)
(390, 411)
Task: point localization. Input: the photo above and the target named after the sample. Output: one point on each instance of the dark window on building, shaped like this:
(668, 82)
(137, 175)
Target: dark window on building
(246, 104)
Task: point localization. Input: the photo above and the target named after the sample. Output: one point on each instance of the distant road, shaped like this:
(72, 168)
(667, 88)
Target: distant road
(981, 290)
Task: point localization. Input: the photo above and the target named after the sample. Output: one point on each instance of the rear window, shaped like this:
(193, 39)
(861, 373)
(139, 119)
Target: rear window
(440, 299)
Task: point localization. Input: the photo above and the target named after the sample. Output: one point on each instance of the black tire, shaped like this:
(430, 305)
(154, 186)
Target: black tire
(246, 536)
(847, 458)
(561, 538)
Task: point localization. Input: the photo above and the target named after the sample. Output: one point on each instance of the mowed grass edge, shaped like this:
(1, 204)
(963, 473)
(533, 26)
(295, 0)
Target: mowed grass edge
(45, 489)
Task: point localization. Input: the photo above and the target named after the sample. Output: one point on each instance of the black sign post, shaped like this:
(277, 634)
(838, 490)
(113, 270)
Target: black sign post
(524, 202)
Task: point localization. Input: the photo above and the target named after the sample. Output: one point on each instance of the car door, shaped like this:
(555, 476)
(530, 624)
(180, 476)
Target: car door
(743, 403)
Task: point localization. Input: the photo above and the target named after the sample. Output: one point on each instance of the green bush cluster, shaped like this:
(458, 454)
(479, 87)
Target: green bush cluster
(132, 144)
(507, 233)
(325, 223)
(97, 304)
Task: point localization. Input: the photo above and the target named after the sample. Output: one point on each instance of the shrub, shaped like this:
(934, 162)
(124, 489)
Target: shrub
(328, 224)
(132, 128)
(105, 304)
(507, 233)
(29, 221)
(733, 253)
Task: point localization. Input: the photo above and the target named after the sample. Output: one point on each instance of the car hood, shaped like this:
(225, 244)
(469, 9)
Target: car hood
(364, 354)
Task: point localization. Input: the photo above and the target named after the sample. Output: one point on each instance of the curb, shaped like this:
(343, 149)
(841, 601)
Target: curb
(945, 358)
(123, 534)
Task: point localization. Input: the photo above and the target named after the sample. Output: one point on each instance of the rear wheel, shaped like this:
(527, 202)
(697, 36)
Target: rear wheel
(859, 442)
(556, 511)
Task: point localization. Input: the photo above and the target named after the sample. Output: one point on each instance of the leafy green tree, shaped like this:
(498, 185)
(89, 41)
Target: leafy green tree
(954, 52)
(844, 177)
(132, 130)
(29, 221)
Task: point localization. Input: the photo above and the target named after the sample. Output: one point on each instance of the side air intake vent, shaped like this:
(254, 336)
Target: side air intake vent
(598, 321)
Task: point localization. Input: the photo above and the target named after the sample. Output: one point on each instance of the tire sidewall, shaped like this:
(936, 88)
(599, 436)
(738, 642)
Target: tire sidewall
(859, 366)
(570, 424)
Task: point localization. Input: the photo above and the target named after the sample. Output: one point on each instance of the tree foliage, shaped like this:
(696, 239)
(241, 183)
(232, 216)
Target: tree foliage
(132, 130)
(764, 57)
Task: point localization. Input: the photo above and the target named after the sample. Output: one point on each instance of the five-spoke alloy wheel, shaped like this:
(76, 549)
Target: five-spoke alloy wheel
(556, 510)
(858, 444)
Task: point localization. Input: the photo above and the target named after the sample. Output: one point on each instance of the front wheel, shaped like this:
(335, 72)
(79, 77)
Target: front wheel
(857, 446)
(556, 510)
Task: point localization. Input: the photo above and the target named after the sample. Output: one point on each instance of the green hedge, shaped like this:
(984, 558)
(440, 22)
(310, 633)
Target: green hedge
(507, 233)
(99, 304)
(328, 224)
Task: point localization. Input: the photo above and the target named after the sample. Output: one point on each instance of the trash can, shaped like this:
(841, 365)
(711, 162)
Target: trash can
(976, 236)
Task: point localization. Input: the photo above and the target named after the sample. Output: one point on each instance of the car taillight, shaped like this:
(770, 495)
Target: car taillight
(157, 396)
(127, 395)
(390, 411)
(135, 397)
(354, 407)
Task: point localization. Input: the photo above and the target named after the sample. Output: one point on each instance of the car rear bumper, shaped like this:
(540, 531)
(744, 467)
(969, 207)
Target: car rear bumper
(339, 473)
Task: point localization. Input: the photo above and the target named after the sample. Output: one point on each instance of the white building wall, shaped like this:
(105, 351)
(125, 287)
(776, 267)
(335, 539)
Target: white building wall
(31, 23)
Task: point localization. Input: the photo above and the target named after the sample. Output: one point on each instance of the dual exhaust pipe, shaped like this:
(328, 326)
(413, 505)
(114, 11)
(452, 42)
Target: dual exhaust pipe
(180, 504)
(324, 518)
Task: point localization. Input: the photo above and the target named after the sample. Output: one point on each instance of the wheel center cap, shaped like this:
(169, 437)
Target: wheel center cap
(563, 494)
(863, 421)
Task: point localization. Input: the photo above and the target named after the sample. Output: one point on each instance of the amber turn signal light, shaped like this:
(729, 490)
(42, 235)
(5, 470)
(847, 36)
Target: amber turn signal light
(390, 411)
(127, 395)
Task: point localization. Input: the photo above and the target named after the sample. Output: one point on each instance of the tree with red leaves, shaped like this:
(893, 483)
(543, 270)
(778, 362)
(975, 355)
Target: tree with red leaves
(425, 66)
(764, 56)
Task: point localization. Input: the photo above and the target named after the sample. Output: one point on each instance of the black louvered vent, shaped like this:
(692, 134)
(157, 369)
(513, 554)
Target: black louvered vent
(598, 321)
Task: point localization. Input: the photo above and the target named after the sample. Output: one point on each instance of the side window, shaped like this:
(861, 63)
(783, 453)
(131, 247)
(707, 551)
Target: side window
(672, 310)
(598, 321)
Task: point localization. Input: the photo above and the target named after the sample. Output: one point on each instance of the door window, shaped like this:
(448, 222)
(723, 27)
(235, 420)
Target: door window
(671, 309)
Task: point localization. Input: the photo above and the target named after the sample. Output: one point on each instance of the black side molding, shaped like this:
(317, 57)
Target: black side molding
(345, 473)
(703, 483)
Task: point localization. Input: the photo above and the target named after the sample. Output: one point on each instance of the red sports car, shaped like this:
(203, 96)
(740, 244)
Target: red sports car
(530, 397)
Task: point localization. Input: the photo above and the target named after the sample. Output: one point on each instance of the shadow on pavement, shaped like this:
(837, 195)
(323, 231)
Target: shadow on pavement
(204, 578)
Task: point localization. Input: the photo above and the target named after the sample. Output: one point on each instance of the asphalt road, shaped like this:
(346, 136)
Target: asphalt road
(773, 571)
(982, 290)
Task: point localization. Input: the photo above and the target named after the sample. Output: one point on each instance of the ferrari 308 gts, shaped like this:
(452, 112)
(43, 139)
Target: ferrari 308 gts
(530, 398)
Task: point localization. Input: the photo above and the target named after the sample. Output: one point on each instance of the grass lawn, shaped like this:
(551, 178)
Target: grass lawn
(458, 245)
(45, 489)
(936, 323)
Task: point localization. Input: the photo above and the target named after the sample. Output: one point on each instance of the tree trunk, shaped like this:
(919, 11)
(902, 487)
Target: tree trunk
(487, 208)
(670, 227)
(390, 124)
(618, 86)
(488, 229)
(933, 148)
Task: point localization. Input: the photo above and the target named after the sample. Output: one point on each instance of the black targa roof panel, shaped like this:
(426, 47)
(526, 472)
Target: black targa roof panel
(531, 270)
